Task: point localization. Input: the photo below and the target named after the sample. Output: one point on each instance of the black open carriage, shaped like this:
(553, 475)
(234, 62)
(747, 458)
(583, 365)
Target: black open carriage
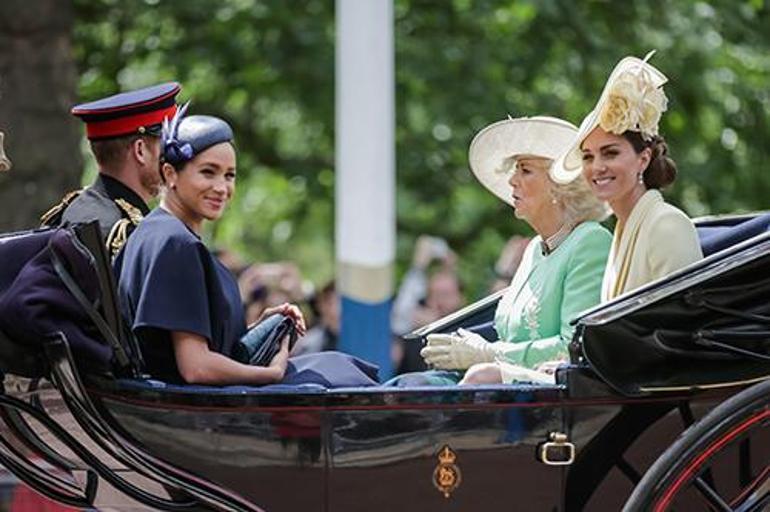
(664, 406)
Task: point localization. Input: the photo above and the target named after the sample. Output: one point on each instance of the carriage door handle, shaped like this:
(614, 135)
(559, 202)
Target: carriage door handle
(557, 451)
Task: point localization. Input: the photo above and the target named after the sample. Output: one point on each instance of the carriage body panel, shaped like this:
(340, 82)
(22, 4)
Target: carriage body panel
(383, 446)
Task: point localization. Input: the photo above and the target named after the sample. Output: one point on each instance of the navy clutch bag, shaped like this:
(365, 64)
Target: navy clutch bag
(263, 341)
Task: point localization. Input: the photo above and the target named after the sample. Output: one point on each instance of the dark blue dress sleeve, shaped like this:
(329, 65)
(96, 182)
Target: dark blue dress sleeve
(173, 295)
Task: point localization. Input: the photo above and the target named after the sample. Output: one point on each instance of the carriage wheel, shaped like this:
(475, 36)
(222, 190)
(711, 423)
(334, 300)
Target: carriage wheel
(721, 463)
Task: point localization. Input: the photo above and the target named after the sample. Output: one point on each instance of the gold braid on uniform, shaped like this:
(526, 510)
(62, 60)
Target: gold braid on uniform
(52, 217)
(122, 228)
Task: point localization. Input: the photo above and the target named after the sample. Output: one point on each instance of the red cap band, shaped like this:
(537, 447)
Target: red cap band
(127, 125)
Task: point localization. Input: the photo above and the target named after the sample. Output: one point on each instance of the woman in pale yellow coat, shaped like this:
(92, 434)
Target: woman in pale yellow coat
(625, 162)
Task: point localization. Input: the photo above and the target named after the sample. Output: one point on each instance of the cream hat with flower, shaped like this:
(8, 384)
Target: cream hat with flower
(632, 99)
(494, 149)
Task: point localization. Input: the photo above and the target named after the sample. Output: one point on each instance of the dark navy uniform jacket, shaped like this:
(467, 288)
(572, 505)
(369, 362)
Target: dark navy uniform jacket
(117, 208)
(169, 281)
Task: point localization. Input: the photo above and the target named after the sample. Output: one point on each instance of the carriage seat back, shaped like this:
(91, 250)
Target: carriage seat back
(47, 278)
(16, 250)
(716, 236)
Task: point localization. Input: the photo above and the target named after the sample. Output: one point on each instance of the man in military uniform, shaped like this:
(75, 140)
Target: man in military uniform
(123, 131)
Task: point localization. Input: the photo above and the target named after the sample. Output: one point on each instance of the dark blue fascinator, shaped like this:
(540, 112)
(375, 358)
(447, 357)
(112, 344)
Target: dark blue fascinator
(184, 137)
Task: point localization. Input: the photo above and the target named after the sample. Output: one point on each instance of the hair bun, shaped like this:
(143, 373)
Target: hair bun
(661, 170)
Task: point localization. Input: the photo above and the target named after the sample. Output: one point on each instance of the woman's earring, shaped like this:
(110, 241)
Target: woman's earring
(641, 178)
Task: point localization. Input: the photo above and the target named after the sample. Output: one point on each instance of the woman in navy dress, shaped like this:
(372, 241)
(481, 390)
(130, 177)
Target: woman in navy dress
(182, 304)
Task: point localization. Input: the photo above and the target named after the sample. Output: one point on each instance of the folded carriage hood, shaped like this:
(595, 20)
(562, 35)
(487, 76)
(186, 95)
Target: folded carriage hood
(707, 325)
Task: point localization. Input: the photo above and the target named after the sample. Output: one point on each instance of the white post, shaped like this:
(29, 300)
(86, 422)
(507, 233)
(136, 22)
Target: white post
(365, 176)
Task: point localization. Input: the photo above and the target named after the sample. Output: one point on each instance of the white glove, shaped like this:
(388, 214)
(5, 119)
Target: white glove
(458, 351)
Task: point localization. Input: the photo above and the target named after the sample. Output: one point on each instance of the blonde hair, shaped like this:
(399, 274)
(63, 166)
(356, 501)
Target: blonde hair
(578, 203)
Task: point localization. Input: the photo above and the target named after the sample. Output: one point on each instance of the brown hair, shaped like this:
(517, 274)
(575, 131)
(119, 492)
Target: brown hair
(110, 153)
(661, 171)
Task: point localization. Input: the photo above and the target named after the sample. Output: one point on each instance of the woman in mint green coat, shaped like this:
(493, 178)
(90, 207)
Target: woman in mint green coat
(560, 274)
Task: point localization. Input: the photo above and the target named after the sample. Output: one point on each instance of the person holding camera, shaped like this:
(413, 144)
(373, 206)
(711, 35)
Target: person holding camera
(423, 296)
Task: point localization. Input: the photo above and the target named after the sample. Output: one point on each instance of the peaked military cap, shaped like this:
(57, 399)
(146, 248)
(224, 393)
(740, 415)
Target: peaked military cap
(134, 112)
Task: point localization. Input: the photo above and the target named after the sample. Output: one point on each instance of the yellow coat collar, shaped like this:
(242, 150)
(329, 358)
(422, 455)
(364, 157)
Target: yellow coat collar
(624, 244)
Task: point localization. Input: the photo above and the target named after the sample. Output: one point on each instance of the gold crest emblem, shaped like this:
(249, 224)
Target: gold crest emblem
(447, 476)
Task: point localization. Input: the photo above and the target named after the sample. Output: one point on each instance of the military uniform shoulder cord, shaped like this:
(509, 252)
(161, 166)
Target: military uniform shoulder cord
(52, 217)
(122, 228)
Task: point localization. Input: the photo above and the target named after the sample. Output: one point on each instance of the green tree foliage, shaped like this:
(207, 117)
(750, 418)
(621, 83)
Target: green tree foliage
(268, 67)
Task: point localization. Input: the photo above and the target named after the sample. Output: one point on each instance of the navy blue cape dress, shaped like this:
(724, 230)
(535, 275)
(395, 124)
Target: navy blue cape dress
(169, 281)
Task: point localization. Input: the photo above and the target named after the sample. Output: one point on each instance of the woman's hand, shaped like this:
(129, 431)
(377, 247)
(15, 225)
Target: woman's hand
(280, 360)
(290, 310)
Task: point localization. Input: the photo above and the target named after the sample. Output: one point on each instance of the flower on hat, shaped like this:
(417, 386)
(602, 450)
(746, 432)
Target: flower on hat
(175, 152)
(633, 103)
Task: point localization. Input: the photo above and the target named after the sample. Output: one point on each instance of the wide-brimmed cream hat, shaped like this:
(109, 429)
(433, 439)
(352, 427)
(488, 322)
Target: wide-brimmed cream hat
(494, 146)
(632, 99)
(5, 164)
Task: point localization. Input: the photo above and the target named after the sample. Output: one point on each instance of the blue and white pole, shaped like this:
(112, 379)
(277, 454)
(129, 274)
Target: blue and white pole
(365, 177)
